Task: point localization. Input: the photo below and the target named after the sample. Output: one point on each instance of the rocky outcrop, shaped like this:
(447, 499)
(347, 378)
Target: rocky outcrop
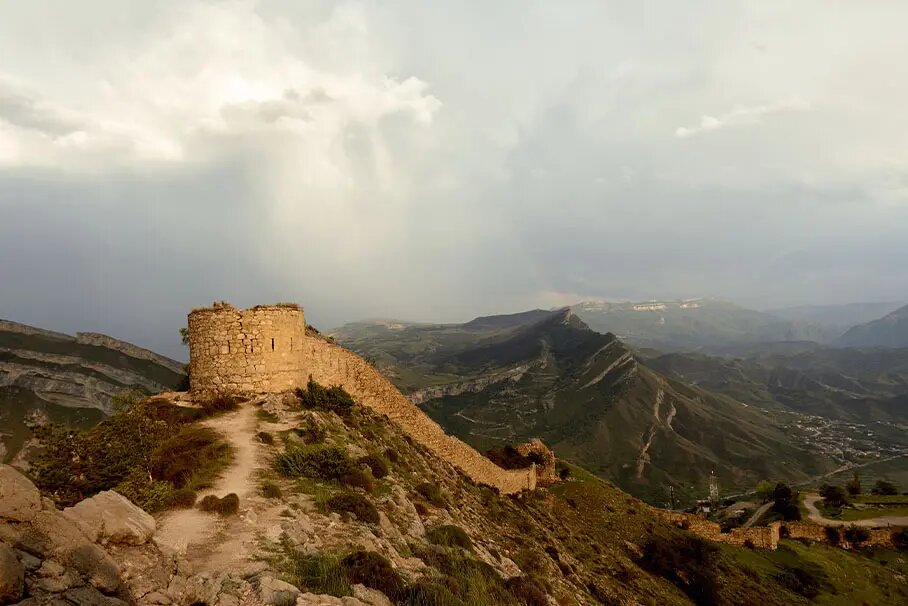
(109, 517)
(472, 386)
(20, 500)
(133, 351)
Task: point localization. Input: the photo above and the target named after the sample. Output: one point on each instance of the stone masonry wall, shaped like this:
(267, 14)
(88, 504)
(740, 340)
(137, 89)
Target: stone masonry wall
(331, 364)
(879, 537)
(761, 537)
(265, 349)
(256, 350)
(767, 537)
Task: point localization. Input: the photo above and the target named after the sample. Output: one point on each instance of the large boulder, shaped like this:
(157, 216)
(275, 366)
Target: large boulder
(52, 533)
(12, 576)
(109, 517)
(20, 500)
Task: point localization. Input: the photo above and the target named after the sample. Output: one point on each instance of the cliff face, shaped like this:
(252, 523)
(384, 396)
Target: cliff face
(70, 379)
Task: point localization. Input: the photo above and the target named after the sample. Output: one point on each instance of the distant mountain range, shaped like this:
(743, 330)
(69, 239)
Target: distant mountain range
(507, 378)
(712, 325)
(889, 331)
(50, 376)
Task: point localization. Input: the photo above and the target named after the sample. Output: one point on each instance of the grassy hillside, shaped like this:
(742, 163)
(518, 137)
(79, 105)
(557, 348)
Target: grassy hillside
(354, 500)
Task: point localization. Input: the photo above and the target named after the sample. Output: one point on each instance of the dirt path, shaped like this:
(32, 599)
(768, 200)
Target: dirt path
(208, 541)
(810, 503)
(756, 515)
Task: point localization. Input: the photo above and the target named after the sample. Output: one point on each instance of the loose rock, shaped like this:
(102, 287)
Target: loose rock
(12, 576)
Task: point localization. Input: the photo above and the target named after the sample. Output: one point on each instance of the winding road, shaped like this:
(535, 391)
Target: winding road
(810, 503)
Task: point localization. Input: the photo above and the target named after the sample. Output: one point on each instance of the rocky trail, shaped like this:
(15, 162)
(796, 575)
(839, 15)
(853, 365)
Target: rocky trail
(214, 543)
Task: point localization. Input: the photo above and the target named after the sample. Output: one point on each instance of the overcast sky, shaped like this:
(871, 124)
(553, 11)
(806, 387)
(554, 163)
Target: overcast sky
(441, 160)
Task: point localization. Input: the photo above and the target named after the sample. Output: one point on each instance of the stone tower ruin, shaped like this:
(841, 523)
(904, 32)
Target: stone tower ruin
(265, 349)
(256, 350)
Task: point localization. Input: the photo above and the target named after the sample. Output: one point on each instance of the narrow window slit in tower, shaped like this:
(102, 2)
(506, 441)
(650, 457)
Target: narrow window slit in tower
(272, 344)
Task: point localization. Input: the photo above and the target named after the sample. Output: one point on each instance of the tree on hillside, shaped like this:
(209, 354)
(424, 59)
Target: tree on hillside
(785, 502)
(884, 487)
(833, 496)
(764, 490)
(854, 484)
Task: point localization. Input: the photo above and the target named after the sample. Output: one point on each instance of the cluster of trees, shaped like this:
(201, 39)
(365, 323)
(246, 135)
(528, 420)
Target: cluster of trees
(784, 499)
(836, 497)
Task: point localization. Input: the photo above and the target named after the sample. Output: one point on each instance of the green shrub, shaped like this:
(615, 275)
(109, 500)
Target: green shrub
(150, 495)
(76, 464)
(392, 455)
(900, 538)
(832, 535)
(310, 432)
(321, 462)
(358, 478)
(428, 593)
(316, 573)
(228, 505)
(356, 504)
(374, 571)
(266, 438)
(270, 490)
(530, 561)
(183, 498)
(193, 457)
(378, 465)
(528, 590)
(856, 535)
(431, 493)
(317, 397)
(221, 402)
(884, 487)
(450, 535)
(468, 579)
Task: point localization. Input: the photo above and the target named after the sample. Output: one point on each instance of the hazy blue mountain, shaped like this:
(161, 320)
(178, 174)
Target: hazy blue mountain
(889, 331)
(694, 325)
(836, 317)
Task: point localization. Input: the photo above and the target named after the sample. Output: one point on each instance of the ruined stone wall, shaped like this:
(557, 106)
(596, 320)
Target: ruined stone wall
(805, 530)
(545, 467)
(256, 350)
(331, 364)
(761, 537)
(881, 537)
(767, 537)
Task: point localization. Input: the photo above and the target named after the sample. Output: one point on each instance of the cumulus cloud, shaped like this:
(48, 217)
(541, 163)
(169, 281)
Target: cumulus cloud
(210, 70)
(394, 159)
(740, 116)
